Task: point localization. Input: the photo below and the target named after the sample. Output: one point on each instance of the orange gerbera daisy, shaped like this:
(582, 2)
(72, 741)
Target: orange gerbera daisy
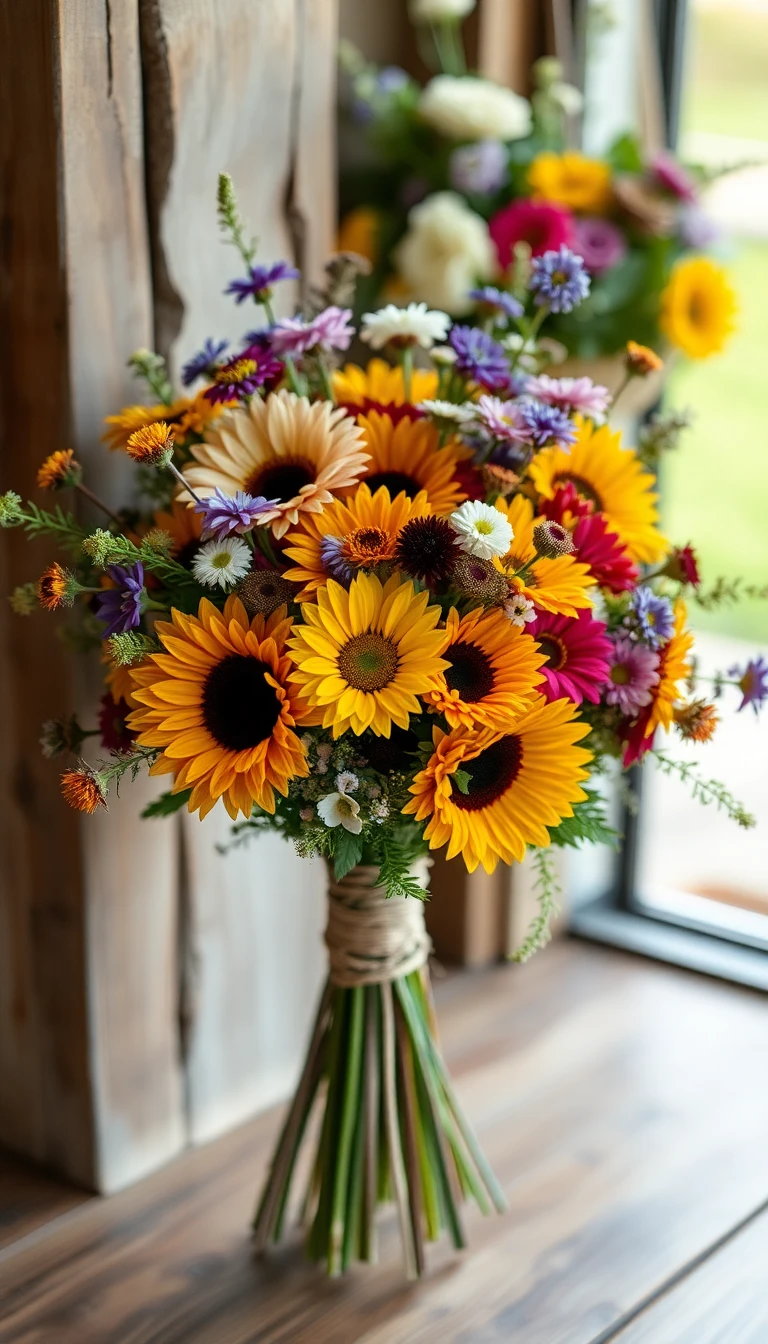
(295, 452)
(219, 704)
(406, 455)
(357, 533)
(520, 783)
(379, 385)
(492, 672)
(558, 585)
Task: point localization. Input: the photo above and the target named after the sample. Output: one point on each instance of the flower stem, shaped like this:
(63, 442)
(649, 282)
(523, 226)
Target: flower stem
(94, 499)
(182, 481)
(407, 363)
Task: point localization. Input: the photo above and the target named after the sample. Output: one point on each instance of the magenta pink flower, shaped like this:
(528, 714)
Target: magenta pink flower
(633, 674)
(330, 330)
(599, 244)
(673, 177)
(578, 655)
(545, 227)
(570, 394)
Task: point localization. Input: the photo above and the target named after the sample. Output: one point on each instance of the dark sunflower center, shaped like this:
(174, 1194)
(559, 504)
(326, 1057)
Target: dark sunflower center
(240, 709)
(395, 481)
(470, 672)
(280, 480)
(491, 773)
(554, 650)
(583, 487)
(368, 662)
(395, 752)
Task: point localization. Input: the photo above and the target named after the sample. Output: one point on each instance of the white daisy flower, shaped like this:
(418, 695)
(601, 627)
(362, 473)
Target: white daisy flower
(347, 781)
(220, 564)
(482, 529)
(444, 355)
(519, 610)
(449, 411)
(336, 809)
(414, 325)
(437, 11)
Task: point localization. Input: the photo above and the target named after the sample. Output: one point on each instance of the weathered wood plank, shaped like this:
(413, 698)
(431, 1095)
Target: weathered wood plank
(31, 1198)
(619, 1103)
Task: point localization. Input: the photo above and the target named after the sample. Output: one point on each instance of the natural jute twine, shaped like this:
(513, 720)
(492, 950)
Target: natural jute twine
(372, 938)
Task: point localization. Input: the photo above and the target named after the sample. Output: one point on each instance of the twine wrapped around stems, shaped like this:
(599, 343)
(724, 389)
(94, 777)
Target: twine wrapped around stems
(371, 938)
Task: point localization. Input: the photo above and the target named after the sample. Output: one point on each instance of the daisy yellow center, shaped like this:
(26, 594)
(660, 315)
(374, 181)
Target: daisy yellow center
(395, 481)
(368, 546)
(554, 650)
(221, 560)
(368, 662)
(584, 488)
(281, 480)
(483, 527)
(470, 673)
(620, 675)
(491, 774)
(240, 708)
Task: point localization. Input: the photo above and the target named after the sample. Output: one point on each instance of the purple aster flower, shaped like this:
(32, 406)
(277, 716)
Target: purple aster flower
(260, 281)
(330, 330)
(480, 358)
(479, 169)
(497, 302)
(752, 682)
(673, 177)
(559, 280)
(333, 560)
(570, 394)
(599, 243)
(651, 618)
(224, 514)
(238, 379)
(542, 424)
(204, 362)
(634, 673)
(120, 608)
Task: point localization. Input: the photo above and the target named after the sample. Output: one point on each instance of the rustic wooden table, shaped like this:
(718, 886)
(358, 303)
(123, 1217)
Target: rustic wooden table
(625, 1108)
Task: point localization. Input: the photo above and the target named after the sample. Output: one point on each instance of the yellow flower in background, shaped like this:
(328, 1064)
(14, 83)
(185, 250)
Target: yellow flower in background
(614, 480)
(380, 384)
(520, 783)
(358, 232)
(218, 703)
(674, 667)
(698, 307)
(406, 455)
(560, 585)
(572, 180)
(186, 416)
(365, 654)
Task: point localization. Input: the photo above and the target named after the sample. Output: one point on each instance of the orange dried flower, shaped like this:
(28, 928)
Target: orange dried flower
(641, 360)
(59, 470)
(54, 587)
(696, 721)
(83, 790)
(151, 445)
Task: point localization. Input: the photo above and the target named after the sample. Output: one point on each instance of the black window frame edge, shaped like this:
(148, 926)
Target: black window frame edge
(619, 917)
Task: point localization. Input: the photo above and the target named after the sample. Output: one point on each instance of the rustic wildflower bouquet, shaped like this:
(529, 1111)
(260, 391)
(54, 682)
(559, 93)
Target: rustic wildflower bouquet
(462, 180)
(385, 609)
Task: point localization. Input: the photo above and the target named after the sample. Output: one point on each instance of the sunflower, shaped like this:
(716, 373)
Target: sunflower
(698, 307)
(186, 416)
(674, 667)
(380, 385)
(119, 679)
(357, 533)
(571, 180)
(219, 704)
(407, 456)
(365, 654)
(614, 480)
(492, 671)
(185, 527)
(520, 782)
(285, 448)
(560, 585)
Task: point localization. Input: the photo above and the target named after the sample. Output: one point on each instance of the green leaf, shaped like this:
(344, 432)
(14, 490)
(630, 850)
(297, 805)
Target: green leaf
(167, 804)
(624, 155)
(588, 825)
(462, 779)
(347, 851)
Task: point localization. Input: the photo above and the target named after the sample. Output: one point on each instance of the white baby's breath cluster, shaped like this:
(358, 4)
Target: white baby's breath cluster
(470, 108)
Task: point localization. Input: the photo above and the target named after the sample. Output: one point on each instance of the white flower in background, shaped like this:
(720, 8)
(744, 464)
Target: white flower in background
(446, 250)
(519, 610)
(569, 99)
(444, 355)
(432, 11)
(556, 352)
(336, 809)
(449, 411)
(380, 811)
(414, 325)
(347, 781)
(468, 108)
(482, 530)
(219, 564)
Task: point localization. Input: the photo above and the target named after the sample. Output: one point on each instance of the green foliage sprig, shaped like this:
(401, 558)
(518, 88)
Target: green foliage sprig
(727, 592)
(231, 221)
(705, 791)
(548, 893)
(588, 825)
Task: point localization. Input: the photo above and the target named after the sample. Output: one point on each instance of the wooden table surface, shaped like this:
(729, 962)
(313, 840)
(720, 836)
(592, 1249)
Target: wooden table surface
(624, 1105)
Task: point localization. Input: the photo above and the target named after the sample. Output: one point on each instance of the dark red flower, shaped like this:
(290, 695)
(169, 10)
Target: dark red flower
(395, 412)
(115, 733)
(470, 480)
(636, 744)
(683, 566)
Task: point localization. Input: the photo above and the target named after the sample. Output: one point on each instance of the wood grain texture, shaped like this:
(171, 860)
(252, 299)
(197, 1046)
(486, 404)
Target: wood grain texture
(507, 41)
(31, 1198)
(620, 1104)
(724, 1301)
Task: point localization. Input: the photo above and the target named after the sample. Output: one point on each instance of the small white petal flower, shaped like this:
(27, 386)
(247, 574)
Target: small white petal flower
(380, 811)
(568, 98)
(482, 529)
(433, 11)
(347, 781)
(336, 809)
(519, 610)
(220, 564)
(469, 108)
(444, 355)
(414, 325)
(449, 411)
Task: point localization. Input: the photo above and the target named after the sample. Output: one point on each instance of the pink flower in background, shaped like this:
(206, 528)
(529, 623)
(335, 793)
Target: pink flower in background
(330, 330)
(545, 227)
(634, 672)
(570, 394)
(599, 243)
(673, 177)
